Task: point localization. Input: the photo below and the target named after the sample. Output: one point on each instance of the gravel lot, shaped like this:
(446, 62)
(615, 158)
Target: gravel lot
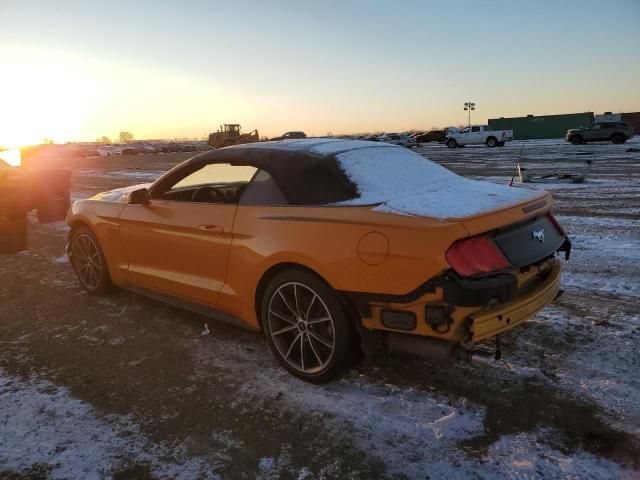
(126, 387)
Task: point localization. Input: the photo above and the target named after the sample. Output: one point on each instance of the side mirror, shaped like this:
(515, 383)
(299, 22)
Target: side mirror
(139, 197)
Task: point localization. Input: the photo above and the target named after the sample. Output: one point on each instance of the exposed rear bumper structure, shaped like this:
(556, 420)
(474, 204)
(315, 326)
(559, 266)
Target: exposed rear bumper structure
(491, 322)
(483, 324)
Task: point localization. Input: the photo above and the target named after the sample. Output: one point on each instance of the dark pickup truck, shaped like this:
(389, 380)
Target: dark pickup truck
(616, 132)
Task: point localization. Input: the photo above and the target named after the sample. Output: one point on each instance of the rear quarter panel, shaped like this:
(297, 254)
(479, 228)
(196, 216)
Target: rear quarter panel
(325, 240)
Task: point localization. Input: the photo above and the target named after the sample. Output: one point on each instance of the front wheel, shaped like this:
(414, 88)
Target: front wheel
(306, 327)
(451, 143)
(88, 262)
(576, 140)
(618, 139)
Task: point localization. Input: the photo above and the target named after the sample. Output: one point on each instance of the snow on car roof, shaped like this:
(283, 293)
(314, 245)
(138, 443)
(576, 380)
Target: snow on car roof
(403, 182)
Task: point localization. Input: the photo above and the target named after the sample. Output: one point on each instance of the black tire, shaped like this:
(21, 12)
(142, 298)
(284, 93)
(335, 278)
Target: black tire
(91, 282)
(451, 143)
(576, 140)
(285, 325)
(492, 142)
(618, 139)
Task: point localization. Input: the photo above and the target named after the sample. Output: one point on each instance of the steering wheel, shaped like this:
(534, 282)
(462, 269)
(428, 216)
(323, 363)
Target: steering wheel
(208, 194)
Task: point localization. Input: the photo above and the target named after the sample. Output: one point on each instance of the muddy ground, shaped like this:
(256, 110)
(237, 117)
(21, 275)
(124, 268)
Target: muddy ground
(125, 387)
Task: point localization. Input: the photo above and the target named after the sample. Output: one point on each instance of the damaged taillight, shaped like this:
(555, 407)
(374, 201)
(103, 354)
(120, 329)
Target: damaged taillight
(475, 255)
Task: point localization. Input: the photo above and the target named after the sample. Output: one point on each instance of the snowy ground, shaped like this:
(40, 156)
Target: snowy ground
(125, 387)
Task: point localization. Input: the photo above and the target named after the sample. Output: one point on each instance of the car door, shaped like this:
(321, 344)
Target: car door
(594, 132)
(179, 245)
(476, 135)
(464, 136)
(606, 130)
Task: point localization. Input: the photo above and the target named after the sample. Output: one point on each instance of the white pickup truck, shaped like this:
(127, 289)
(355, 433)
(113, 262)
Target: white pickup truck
(477, 135)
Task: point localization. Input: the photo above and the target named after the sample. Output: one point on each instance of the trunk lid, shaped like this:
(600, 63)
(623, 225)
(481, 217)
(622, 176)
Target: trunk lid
(530, 241)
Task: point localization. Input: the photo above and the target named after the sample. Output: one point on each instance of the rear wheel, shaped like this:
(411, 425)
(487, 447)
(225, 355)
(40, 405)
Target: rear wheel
(577, 140)
(451, 143)
(492, 142)
(618, 138)
(88, 261)
(306, 327)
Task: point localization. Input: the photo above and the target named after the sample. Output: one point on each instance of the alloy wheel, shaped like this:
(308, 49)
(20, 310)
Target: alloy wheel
(301, 327)
(86, 261)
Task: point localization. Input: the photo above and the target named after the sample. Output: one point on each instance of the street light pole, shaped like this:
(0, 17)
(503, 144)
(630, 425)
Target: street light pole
(468, 106)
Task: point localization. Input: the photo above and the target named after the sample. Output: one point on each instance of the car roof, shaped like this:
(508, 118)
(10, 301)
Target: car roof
(306, 170)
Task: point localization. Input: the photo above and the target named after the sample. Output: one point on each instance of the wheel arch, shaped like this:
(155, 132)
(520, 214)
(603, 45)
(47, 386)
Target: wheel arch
(77, 223)
(280, 267)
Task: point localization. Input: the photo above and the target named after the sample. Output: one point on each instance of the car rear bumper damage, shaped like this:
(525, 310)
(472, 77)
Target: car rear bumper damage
(530, 299)
(443, 318)
(484, 324)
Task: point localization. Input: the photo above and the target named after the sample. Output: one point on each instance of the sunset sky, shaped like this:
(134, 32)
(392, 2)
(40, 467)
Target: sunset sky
(80, 70)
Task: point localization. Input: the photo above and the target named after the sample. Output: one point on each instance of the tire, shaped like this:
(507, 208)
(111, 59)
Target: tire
(451, 143)
(618, 139)
(577, 140)
(492, 142)
(87, 259)
(315, 352)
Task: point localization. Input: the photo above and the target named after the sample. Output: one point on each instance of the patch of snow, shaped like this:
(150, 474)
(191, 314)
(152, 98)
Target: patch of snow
(118, 194)
(61, 260)
(525, 456)
(403, 181)
(606, 263)
(42, 424)
(402, 427)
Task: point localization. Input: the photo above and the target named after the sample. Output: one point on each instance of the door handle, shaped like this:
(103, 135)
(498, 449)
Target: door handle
(216, 230)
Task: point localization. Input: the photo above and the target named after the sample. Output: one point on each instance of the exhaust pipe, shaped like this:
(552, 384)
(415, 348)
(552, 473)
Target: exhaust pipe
(481, 358)
(437, 351)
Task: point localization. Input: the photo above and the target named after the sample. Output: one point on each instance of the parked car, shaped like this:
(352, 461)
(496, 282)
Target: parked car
(478, 135)
(616, 132)
(397, 139)
(290, 136)
(432, 136)
(277, 237)
(109, 150)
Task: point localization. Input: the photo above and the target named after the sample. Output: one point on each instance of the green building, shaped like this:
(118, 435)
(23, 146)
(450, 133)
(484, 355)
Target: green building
(542, 126)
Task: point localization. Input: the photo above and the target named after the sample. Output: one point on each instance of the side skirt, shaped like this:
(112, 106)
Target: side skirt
(193, 307)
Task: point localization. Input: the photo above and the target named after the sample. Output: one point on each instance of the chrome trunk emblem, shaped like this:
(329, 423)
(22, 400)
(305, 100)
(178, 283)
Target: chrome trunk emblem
(538, 235)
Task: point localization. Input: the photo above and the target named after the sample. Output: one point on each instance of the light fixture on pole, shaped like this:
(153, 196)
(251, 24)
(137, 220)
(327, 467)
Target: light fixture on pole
(468, 106)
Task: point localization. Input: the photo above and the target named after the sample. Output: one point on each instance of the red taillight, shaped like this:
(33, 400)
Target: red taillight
(553, 220)
(475, 255)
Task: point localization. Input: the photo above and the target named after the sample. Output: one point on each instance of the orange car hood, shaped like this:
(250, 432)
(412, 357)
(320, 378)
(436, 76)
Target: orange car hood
(119, 194)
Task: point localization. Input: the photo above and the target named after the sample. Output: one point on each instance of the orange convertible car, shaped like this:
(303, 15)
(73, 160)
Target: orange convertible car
(319, 243)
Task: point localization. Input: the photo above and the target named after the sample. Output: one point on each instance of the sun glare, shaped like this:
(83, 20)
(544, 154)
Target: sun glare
(42, 99)
(11, 156)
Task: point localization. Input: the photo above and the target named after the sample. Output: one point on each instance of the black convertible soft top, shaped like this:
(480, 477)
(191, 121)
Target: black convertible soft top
(305, 177)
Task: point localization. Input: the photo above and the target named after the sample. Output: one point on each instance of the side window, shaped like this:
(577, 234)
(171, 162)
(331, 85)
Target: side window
(475, 129)
(465, 130)
(216, 175)
(211, 183)
(263, 190)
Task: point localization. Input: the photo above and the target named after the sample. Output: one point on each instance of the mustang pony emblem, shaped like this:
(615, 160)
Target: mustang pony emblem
(538, 235)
